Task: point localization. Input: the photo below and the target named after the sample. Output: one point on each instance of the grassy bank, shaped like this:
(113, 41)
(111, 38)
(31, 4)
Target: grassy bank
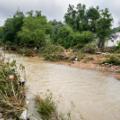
(12, 95)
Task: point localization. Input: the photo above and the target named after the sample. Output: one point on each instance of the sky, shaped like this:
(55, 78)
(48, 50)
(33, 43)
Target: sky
(55, 9)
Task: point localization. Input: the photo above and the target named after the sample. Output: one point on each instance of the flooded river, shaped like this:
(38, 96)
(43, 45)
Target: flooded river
(88, 95)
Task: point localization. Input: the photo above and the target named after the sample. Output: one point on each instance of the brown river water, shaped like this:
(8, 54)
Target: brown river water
(87, 94)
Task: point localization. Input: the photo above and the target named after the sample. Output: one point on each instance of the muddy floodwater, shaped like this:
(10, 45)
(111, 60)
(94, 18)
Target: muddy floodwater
(87, 94)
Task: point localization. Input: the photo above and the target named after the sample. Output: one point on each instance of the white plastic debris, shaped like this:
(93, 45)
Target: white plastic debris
(24, 115)
(22, 80)
(27, 102)
(76, 59)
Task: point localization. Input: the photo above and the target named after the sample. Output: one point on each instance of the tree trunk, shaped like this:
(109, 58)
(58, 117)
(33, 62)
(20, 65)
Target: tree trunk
(101, 44)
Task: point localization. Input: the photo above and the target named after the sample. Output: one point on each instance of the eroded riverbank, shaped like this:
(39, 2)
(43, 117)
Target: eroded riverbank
(93, 62)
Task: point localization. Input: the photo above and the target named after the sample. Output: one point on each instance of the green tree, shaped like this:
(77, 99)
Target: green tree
(76, 17)
(32, 39)
(94, 20)
(70, 16)
(37, 13)
(34, 31)
(56, 26)
(104, 24)
(61, 34)
(1, 33)
(12, 26)
(81, 39)
(30, 13)
(65, 36)
(93, 15)
(81, 18)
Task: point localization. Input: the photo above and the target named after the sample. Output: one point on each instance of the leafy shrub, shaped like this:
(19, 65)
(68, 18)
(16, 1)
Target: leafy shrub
(80, 55)
(55, 49)
(53, 52)
(58, 57)
(113, 59)
(53, 57)
(117, 50)
(110, 49)
(90, 48)
(118, 46)
(62, 35)
(65, 36)
(45, 107)
(80, 39)
(32, 38)
(26, 51)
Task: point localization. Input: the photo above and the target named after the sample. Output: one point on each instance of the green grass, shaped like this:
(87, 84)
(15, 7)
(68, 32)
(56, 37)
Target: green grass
(48, 110)
(45, 107)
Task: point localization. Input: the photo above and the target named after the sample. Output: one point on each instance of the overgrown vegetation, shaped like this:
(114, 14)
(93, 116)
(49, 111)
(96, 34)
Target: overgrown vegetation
(84, 29)
(53, 52)
(93, 19)
(47, 108)
(90, 48)
(32, 31)
(12, 95)
(112, 59)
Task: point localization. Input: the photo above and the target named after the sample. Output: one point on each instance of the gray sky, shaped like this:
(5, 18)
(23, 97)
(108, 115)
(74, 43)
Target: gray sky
(54, 9)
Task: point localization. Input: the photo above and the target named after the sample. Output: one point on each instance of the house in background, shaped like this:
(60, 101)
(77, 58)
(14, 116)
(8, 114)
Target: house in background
(114, 40)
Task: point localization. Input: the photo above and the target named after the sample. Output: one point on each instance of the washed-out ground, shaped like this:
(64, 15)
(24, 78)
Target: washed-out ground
(93, 62)
(87, 94)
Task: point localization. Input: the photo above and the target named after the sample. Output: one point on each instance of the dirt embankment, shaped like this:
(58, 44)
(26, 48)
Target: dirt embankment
(93, 62)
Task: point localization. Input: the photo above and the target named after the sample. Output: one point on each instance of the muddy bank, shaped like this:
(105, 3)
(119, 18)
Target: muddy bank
(93, 63)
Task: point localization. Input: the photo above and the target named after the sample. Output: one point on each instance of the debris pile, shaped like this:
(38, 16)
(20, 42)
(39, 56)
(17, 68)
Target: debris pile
(12, 94)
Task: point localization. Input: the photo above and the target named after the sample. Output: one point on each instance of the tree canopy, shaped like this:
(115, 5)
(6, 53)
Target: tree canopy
(81, 25)
(92, 19)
